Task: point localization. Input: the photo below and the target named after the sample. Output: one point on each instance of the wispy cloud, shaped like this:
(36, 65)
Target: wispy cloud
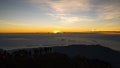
(67, 18)
(110, 12)
(107, 9)
(63, 6)
(62, 9)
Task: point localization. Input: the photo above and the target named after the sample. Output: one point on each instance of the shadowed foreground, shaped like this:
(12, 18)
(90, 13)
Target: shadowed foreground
(46, 59)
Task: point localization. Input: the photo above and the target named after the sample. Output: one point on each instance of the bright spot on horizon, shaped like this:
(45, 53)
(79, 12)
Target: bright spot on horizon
(56, 31)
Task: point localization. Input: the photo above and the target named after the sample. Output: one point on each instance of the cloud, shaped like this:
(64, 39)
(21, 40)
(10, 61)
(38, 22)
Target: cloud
(107, 9)
(67, 18)
(62, 6)
(110, 12)
(62, 9)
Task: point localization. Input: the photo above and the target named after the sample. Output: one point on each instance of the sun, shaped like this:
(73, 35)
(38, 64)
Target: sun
(56, 31)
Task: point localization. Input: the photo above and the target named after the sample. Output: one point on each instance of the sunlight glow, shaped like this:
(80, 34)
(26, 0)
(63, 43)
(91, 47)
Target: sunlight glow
(56, 31)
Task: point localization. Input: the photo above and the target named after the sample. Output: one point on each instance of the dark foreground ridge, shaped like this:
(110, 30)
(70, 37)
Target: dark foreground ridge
(74, 56)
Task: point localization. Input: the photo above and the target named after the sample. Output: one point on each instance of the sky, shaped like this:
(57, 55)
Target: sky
(59, 15)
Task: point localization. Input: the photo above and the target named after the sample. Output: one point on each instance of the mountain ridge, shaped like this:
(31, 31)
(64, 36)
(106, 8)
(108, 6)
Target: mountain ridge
(89, 51)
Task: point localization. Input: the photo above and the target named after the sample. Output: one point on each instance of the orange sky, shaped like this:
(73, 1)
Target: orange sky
(62, 15)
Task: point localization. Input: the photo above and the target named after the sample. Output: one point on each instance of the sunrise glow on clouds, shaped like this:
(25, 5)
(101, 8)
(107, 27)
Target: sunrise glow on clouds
(64, 15)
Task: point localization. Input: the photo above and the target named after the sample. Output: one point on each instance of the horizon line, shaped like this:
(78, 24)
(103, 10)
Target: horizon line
(68, 32)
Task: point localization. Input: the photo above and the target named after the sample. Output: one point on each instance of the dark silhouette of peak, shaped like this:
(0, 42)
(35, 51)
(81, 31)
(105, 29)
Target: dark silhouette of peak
(44, 57)
(1, 50)
(81, 55)
(93, 52)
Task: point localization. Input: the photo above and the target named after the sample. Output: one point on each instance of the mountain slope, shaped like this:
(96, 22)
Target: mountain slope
(92, 52)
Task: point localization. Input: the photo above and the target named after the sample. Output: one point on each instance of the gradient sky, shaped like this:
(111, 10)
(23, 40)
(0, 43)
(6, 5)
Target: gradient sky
(63, 15)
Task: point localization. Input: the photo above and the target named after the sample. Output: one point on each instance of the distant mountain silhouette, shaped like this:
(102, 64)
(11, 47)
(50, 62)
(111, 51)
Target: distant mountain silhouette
(92, 52)
(1, 50)
(37, 59)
